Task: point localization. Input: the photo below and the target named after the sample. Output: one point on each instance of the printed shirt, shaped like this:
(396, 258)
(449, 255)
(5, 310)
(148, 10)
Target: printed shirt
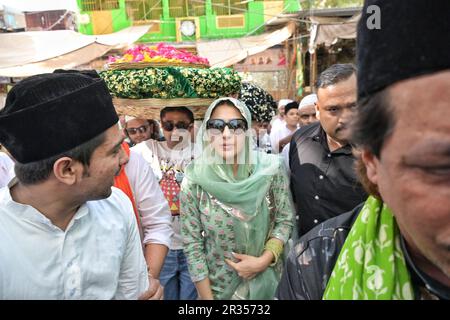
(168, 166)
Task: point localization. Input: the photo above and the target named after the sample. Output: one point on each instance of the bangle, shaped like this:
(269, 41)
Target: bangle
(276, 247)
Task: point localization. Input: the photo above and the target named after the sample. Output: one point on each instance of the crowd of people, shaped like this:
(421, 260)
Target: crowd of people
(343, 194)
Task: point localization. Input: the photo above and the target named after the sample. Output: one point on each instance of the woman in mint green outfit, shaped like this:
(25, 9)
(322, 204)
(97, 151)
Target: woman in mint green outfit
(236, 211)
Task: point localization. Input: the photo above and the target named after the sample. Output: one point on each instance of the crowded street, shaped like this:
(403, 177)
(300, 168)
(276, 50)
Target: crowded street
(154, 150)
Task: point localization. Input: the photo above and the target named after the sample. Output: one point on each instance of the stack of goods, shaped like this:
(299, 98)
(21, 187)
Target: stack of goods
(161, 54)
(148, 78)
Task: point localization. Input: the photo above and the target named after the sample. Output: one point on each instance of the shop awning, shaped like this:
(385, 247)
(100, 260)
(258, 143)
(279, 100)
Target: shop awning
(24, 54)
(327, 30)
(226, 52)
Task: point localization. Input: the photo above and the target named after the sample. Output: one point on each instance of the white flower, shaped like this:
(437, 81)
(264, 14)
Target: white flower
(359, 253)
(375, 281)
(407, 292)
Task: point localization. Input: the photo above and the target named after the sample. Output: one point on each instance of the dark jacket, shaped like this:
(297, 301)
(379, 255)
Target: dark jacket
(311, 262)
(312, 259)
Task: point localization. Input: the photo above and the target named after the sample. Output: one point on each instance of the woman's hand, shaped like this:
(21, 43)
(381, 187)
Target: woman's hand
(204, 289)
(249, 266)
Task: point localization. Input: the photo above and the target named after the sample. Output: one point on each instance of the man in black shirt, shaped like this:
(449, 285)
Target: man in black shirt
(397, 244)
(323, 180)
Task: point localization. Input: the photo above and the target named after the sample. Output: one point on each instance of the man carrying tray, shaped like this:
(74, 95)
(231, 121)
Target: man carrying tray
(168, 159)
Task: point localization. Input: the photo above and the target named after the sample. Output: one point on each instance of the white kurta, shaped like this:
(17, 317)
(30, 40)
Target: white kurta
(264, 143)
(152, 206)
(277, 135)
(6, 169)
(277, 124)
(285, 155)
(98, 256)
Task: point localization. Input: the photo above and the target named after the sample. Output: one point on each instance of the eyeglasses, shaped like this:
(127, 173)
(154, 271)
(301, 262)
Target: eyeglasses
(217, 126)
(169, 126)
(141, 129)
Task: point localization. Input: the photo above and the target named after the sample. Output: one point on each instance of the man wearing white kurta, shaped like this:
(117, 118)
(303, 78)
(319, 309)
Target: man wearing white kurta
(278, 122)
(98, 255)
(65, 233)
(307, 115)
(6, 169)
(153, 209)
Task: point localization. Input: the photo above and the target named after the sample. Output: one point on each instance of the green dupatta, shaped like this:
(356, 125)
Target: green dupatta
(243, 196)
(371, 265)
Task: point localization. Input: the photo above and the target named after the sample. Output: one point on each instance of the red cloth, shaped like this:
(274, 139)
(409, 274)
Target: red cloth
(121, 182)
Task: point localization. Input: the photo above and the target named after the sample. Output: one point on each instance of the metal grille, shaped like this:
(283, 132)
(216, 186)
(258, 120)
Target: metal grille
(143, 10)
(228, 7)
(99, 5)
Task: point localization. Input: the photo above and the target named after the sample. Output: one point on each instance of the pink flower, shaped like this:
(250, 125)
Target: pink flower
(138, 57)
(137, 53)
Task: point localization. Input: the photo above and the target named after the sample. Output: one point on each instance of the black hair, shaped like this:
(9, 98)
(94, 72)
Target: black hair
(290, 105)
(184, 110)
(38, 171)
(374, 122)
(334, 74)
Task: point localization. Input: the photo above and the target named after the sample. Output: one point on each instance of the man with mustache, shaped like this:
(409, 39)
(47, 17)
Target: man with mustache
(323, 181)
(396, 245)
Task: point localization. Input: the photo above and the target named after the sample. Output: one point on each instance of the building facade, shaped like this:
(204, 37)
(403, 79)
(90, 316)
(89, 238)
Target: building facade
(181, 20)
(49, 20)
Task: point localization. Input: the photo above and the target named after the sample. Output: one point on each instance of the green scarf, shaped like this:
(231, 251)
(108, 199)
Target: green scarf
(245, 191)
(371, 265)
(243, 197)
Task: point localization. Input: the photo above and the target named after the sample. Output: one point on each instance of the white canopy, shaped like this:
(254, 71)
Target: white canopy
(40, 5)
(24, 54)
(226, 52)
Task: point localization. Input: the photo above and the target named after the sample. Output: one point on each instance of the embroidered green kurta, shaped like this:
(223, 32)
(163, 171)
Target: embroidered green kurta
(209, 235)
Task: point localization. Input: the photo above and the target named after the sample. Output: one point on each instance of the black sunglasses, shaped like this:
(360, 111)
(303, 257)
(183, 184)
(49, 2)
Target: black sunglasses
(217, 126)
(169, 126)
(141, 129)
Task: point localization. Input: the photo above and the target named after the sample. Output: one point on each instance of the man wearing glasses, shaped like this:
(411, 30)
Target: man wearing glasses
(138, 130)
(168, 160)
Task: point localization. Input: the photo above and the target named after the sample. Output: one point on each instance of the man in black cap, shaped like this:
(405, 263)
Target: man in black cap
(64, 232)
(397, 244)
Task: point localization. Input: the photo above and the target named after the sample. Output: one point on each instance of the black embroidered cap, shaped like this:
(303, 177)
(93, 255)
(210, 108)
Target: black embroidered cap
(48, 114)
(413, 40)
